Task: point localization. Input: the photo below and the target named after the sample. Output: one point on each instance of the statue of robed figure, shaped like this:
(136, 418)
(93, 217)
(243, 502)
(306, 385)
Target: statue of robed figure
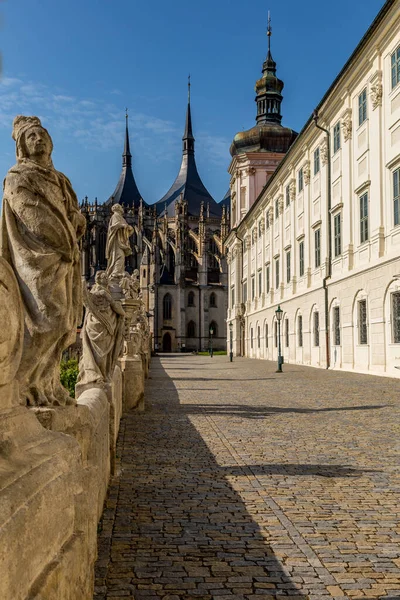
(102, 335)
(118, 246)
(40, 231)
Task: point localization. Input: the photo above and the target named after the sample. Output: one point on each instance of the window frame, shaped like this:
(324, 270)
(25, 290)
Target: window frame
(300, 180)
(316, 340)
(300, 331)
(317, 163)
(395, 67)
(336, 137)
(395, 318)
(277, 274)
(364, 209)
(362, 318)
(396, 196)
(362, 107)
(301, 258)
(317, 247)
(267, 278)
(288, 267)
(336, 326)
(287, 195)
(286, 332)
(337, 234)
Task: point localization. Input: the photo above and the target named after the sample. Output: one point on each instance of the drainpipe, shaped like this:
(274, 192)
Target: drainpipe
(329, 222)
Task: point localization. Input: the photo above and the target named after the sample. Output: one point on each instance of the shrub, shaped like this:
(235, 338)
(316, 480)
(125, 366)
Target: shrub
(69, 374)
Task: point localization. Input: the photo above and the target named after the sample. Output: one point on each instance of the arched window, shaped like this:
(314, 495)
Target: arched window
(191, 299)
(191, 329)
(213, 299)
(167, 306)
(214, 328)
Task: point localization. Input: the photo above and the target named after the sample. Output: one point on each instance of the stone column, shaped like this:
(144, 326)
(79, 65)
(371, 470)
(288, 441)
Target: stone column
(131, 362)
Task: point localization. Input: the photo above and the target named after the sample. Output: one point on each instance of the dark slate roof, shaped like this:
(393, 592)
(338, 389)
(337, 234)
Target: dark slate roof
(188, 182)
(126, 192)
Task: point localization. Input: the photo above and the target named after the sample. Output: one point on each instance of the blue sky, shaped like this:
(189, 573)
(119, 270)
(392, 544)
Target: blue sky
(77, 64)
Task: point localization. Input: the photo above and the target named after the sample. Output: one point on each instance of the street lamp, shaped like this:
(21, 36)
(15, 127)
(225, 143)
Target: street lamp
(211, 346)
(279, 315)
(230, 341)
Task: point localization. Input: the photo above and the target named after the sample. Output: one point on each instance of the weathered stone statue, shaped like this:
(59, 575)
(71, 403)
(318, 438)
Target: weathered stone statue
(130, 285)
(102, 335)
(118, 246)
(41, 227)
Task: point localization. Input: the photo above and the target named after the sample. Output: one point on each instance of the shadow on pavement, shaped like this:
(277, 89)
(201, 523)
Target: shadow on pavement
(260, 412)
(173, 526)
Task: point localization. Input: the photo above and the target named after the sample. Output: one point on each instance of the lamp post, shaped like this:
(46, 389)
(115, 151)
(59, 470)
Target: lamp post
(230, 341)
(279, 315)
(211, 346)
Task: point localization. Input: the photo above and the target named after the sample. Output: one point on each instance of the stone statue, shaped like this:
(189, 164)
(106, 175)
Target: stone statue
(118, 246)
(41, 228)
(102, 334)
(130, 285)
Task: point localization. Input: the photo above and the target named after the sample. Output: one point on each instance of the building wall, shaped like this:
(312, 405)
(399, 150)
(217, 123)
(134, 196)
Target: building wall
(293, 207)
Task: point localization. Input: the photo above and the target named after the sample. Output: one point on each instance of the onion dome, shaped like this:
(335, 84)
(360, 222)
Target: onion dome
(268, 135)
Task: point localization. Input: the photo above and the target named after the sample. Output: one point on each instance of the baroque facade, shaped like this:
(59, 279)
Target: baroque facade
(177, 246)
(322, 237)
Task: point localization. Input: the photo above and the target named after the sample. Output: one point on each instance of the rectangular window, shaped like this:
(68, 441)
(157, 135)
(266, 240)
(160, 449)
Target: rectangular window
(277, 273)
(364, 218)
(300, 179)
(395, 64)
(396, 196)
(317, 245)
(301, 258)
(276, 209)
(300, 330)
(287, 195)
(276, 334)
(253, 288)
(316, 161)
(362, 107)
(259, 283)
(245, 291)
(267, 279)
(396, 317)
(288, 275)
(336, 326)
(232, 297)
(337, 235)
(336, 137)
(362, 322)
(316, 328)
(287, 333)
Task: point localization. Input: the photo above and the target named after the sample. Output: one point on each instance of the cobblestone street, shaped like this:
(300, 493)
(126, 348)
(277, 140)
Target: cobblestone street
(240, 483)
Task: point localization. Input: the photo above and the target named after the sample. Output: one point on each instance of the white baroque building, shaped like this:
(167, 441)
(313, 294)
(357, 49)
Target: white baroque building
(322, 237)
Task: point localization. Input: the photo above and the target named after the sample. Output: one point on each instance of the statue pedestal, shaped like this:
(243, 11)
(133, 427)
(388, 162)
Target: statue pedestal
(133, 382)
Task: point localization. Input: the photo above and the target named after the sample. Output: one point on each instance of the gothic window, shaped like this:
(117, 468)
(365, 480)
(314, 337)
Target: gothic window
(167, 306)
(191, 329)
(213, 299)
(191, 299)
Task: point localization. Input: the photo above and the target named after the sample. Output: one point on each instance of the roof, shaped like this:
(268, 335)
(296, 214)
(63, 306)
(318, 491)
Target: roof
(126, 192)
(188, 181)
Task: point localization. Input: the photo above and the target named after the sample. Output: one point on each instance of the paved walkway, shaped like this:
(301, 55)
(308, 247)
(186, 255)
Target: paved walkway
(239, 483)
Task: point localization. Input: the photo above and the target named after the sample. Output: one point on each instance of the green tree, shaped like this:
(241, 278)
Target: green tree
(69, 374)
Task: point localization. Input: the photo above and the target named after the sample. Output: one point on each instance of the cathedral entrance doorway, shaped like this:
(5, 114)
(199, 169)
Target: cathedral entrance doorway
(167, 344)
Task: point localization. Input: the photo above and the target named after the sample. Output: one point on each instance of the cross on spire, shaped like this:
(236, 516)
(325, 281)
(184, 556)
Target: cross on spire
(269, 31)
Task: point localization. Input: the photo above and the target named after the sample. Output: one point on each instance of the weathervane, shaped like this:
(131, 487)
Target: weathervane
(269, 31)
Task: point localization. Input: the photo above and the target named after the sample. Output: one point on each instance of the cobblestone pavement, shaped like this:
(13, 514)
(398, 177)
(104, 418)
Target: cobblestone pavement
(240, 483)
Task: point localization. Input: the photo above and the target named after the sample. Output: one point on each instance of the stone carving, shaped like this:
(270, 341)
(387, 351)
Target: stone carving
(41, 228)
(248, 242)
(130, 285)
(250, 171)
(347, 125)
(306, 172)
(118, 246)
(102, 335)
(292, 190)
(376, 95)
(323, 152)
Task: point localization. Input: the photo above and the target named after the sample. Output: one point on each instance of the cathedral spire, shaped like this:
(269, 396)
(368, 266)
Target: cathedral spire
(188, 139)
(126, 156)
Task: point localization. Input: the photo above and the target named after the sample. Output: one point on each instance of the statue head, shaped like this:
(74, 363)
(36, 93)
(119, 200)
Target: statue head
(33, 141)
(117, 208)
(101, 278)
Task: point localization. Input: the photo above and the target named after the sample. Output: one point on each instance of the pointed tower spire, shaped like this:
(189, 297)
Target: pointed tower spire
(126, 156)
(188, 139)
